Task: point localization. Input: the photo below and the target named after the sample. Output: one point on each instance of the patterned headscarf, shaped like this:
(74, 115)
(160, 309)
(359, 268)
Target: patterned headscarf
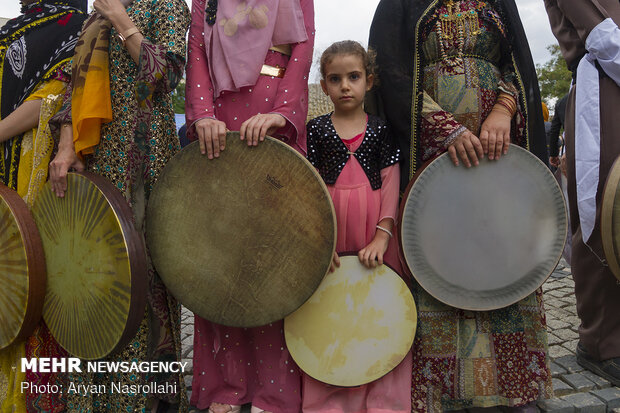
(33, 46)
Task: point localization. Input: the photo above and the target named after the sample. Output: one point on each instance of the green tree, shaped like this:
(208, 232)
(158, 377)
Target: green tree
(553, 76)
(178, 97)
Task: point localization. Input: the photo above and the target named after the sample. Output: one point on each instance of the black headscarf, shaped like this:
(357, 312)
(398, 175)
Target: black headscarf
(395, 30)
(33, 46)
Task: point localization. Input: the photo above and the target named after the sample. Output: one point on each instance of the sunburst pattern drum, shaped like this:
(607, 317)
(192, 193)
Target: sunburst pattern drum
(610, 219)
(96, 264)
(245, 239)
(358, 325)
(22, 269)
(485, 237)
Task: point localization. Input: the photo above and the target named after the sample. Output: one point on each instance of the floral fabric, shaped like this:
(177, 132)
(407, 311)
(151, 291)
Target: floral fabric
(462, 82)
(133, 150)
(464, 359)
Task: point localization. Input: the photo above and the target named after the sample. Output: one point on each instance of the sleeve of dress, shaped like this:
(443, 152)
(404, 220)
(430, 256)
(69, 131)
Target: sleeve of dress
(50, 87)
(198, 88)
(312, 134)
(292, 97)
(508, 77)
(390, 181)
(64, 114)
(439, 128)
(585, 15)
(573, 48)
(162, 59)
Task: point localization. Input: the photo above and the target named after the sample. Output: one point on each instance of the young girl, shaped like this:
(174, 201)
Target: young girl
(354, 155)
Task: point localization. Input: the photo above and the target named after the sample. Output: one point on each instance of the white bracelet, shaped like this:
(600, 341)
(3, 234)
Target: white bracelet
(385, 230)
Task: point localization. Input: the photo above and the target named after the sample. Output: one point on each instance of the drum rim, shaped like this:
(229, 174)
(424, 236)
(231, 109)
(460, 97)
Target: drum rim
(236, 136)
(136, 255)
(35, 261)
(347, 254)
(405, 200)
(607, 208)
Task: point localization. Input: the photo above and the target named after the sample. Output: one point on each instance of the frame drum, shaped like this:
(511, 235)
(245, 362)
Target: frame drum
(96, 265)
(610, 219)
(485, 237)
(22, 269)
(245, 239)
(357, 327)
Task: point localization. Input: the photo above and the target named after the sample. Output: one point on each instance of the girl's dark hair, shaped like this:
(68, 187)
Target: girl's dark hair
(349, 47)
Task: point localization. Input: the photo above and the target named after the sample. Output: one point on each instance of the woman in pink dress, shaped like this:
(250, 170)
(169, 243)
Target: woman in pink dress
(247, 70)
(357, 160)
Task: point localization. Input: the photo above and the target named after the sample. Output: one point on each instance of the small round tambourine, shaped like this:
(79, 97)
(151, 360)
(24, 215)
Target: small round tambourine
(357, 327)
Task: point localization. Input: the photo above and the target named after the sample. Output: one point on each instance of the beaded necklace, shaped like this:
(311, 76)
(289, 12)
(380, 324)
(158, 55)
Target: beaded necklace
(453, 21)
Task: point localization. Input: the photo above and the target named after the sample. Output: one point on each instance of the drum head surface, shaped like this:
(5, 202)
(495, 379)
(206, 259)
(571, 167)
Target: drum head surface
(485, 237)
(96, 265)
(357, 327)
(22, 269)
(245, 239)
(610, 219)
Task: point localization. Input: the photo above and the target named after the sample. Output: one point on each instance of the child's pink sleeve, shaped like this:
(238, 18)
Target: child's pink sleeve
(390, 181)
(198, 87)
(292, 97)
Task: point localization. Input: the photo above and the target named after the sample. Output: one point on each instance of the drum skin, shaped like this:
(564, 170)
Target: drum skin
(485, 237)
(357, 327)
(22, 269)
(242, 240)
(610, 219)
(96, 265)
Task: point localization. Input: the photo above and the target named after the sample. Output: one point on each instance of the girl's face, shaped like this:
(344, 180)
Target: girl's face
(346, 82)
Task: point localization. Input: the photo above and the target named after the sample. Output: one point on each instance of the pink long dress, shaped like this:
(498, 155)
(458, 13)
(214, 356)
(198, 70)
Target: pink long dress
(358, 210)
(239, 365)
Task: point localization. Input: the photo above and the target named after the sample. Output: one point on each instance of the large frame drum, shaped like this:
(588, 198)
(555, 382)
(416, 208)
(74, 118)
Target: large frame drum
(22, 269)
(357, 327)
(610, 219)
(96, 264)
(485, 237)
(245, 239)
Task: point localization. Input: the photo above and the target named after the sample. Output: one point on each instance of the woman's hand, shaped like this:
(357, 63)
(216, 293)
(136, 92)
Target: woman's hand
(563, 164)
(554, 161)
(335, 262)
(495, 134)
(254, 129)
(467, 147)
(65, 159)
(110, 9)
(372, 254)
(211, 136)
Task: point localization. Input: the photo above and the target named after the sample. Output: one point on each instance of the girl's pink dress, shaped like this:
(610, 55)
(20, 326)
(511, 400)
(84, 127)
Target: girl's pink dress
(359, 209)
(248, 365)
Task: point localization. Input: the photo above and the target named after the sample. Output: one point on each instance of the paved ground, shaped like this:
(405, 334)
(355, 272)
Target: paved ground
(575, 390)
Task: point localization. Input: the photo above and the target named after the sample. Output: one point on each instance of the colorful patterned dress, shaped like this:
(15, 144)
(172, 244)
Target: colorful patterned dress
(461, 358)
(248, 365)
(359, 208)
(36, 147)
(35, 49)
(139, 141)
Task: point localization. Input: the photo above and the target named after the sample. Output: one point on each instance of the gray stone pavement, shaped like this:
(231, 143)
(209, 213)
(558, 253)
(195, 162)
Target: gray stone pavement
(576, 390)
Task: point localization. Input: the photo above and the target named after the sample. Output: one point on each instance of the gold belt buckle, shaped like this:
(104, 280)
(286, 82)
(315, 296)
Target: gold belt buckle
(267, 70)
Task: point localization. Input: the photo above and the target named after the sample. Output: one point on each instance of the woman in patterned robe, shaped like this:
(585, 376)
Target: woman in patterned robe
(464, 71)
(35, 49)
(144, 57)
